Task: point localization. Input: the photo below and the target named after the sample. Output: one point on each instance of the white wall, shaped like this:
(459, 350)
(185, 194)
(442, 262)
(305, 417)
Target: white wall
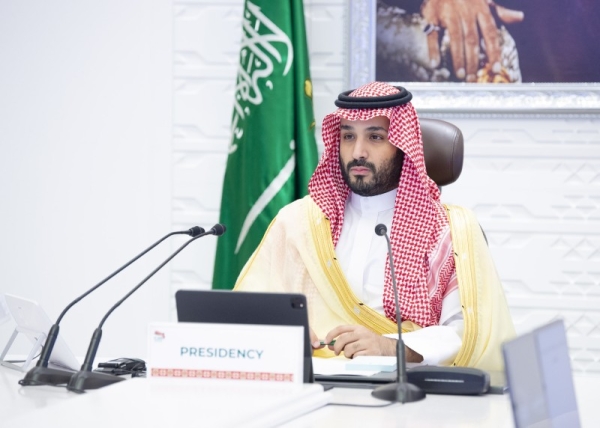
(534, 183)
(85, 170)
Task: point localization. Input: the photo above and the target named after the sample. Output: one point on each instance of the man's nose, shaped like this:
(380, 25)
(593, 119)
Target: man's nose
(360, 149)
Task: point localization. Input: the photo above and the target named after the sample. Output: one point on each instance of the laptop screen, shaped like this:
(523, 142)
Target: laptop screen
(539, 378)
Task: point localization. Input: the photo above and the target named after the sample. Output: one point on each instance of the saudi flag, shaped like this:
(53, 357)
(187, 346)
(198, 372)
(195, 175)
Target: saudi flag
(273, 151)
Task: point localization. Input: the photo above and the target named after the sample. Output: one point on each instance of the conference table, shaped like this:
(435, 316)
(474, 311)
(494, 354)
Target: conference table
(490, 410)
(196, 403)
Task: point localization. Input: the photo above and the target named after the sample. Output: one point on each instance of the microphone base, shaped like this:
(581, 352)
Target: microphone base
(83, 380)
(46, 376)
(399, 392)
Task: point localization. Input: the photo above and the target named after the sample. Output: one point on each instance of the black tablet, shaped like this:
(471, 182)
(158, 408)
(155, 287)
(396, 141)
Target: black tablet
(237, 307)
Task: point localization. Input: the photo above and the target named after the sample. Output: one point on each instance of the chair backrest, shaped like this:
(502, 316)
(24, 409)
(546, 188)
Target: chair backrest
(443, 147)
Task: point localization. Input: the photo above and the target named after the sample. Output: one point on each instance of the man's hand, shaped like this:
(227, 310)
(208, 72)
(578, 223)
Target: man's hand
(461, 19)
(314, 340)
(355, 340)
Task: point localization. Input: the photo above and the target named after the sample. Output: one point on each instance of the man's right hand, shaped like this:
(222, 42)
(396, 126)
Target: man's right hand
(461, 19)
(314, 340)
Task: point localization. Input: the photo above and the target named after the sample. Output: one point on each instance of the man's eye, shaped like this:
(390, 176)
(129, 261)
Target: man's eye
(376, 137)
(347, 136)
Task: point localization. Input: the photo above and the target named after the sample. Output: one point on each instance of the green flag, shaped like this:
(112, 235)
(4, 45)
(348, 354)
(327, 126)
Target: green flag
(273, 151)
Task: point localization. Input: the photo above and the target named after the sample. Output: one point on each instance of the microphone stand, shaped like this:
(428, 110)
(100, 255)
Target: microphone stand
(41, 374)
(400, 391)
(88, 379)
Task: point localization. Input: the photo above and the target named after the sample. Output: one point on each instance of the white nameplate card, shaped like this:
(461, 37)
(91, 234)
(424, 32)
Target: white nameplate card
(226, 351)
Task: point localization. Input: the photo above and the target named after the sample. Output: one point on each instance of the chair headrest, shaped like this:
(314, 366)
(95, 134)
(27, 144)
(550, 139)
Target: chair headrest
(443, 147)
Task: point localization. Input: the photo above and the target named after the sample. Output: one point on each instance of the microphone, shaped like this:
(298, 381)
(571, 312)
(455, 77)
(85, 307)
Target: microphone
(41, 374)
(399, 391)
(86, 378)
(217, 230)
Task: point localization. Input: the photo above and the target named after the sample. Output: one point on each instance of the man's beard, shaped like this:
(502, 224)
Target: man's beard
(382, 181)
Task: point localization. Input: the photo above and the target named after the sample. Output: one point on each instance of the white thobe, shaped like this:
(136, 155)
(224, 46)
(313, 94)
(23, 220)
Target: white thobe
(362, 255)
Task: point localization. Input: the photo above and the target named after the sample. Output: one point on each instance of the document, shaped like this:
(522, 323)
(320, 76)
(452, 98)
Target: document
(356, 367)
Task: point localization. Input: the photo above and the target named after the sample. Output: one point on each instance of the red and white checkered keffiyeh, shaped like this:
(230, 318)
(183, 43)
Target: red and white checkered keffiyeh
(419, 221)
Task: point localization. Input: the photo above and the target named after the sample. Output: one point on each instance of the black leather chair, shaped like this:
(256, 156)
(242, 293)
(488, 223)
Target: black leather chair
(443, 147)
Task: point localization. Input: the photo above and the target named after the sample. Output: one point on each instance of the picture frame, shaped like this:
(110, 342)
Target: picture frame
(475, 98)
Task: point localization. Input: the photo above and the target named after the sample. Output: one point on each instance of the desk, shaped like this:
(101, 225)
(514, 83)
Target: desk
(440, 410)
(136, 402)
(156, 403)
(433, 411)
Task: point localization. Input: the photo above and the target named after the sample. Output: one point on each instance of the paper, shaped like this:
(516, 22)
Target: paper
(379, 364)
(4, 314)
(338, 366)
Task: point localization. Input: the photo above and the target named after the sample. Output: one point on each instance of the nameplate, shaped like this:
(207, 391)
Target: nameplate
(248, 352)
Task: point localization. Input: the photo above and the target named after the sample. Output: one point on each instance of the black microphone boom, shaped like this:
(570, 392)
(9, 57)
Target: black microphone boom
(41, 374)
(86, 378)
(399, 391)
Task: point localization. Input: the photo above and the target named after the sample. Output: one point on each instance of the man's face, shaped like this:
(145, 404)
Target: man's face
(370, 164)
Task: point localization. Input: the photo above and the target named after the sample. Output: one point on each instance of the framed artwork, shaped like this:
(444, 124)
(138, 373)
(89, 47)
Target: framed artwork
(537, 56)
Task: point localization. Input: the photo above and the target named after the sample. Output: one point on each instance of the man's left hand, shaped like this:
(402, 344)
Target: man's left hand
(355, 340)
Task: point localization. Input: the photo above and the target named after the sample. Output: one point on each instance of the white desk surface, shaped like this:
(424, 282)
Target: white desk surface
(138, 402)
(440, 410)
(157, 403)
